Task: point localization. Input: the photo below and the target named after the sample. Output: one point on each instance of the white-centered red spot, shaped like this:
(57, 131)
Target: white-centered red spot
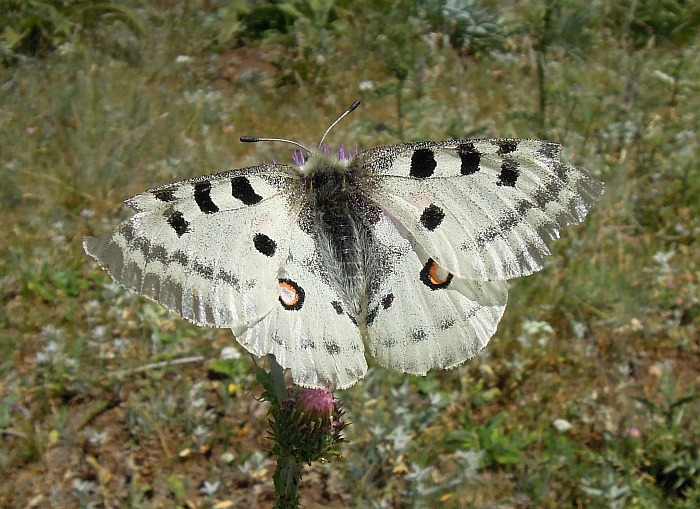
(438, 274)
(434, 276)
(291, 295)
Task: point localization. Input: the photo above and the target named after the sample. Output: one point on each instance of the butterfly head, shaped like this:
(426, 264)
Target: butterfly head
(321, 156)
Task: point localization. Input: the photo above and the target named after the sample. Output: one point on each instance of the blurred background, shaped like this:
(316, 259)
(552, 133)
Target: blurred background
(586, 397)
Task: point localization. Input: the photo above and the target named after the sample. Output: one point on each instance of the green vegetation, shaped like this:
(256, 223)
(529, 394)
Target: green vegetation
(586, 397)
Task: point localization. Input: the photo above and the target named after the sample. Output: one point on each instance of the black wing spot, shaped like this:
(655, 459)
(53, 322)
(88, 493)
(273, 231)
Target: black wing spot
(206, 271)
(143, 245)
(470, 158)
(165, 195)
(202, 195)
(180, 257)
(159, 253)
(242, 190)
(562, 172)
(228, 277)
(506, 146)
(432, 216)
(332, 347)
(387, 300)
(418, 335)
(446, 324)
(550, 150)
(422, 163)
(264, 244)
(338, 308)
(178, 222)
(509, 173)
(128, 231)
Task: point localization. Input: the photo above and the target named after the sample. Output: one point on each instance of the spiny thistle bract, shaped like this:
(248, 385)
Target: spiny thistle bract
(307, 425)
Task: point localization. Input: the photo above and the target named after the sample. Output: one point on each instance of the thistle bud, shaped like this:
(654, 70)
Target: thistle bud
(307, 426)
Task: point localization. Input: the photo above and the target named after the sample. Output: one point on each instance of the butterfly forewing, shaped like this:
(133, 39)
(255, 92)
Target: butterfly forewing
(200, 247)
(486, 209)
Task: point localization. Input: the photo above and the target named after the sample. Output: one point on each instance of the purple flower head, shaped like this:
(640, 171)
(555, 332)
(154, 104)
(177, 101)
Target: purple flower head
(308, 425)
(300, 159)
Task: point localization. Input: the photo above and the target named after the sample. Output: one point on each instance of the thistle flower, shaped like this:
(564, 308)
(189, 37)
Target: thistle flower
(308, 425)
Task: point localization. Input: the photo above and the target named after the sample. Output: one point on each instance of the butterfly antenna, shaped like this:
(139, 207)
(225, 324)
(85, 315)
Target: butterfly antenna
(254, 139)
(352, 108)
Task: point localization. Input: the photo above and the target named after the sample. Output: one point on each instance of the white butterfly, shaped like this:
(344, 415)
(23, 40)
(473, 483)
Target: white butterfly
(404, 248)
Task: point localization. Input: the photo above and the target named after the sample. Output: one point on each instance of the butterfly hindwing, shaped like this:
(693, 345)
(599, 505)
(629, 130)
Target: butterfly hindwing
(422, 317)
(308, 329)
(486, 209)
(203, 247)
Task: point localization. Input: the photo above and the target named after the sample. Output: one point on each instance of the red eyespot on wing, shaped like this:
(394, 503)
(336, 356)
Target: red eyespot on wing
(435, 276)
(291, 295)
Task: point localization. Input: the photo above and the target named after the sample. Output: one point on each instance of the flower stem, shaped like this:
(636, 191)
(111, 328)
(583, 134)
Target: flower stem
(286, 478)
(288, 470)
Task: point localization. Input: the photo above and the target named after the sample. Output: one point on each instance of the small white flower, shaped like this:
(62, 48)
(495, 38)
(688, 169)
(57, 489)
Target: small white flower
(51, 348)
(210, 488)
(377, 430)
(255, 463)
(82, 486)
(579, 329)
(662, 258)
(227, 457)
(66, 49)
(366, 86)
(534, 327)
(183, 59)
(435, 399)
(562, 425)
(97, 437)
(469, 462)
(113, 287)
(400, 438)
(99, 332)
(120, 343)
(229, 353)
(537, 331)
